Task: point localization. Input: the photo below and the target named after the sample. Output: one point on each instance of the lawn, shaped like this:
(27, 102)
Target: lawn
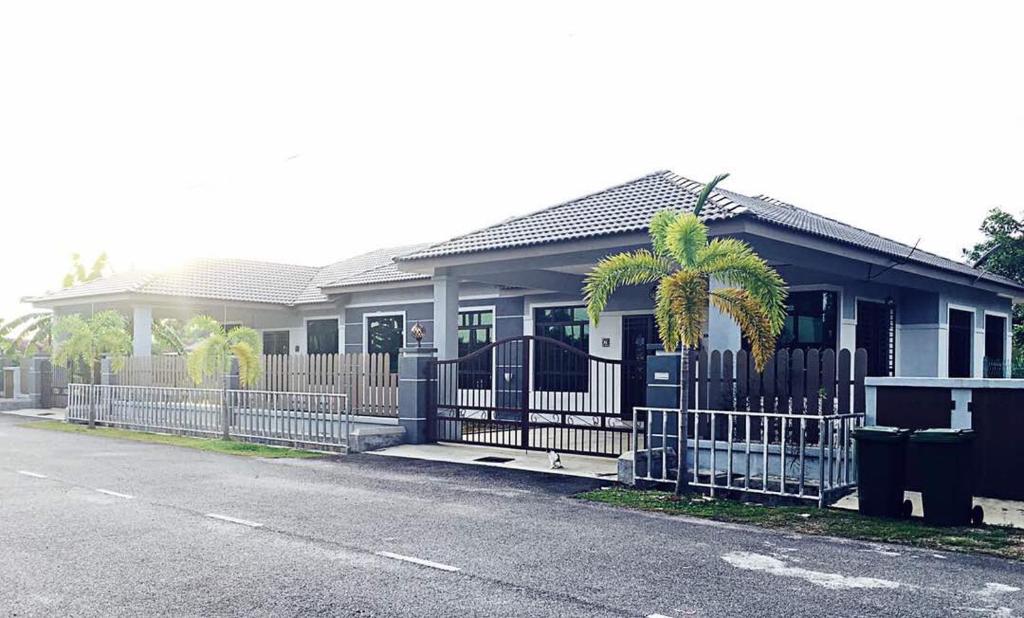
(992, 540)
(231, 447)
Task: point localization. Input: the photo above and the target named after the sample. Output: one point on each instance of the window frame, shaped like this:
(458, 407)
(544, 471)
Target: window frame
(384, 314)
(326, 318)
(276, 331)
(581, 382)
(1007, 339)
(492, 330)
(950, 308)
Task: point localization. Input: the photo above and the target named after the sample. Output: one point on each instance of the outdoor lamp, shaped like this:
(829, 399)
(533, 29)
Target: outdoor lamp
(418, 331)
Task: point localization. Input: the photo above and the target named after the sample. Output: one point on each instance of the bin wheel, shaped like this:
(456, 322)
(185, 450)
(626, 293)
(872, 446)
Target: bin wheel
(977, 515)
(906, 509)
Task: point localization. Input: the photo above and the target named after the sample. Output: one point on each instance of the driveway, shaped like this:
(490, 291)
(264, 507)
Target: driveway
(93, 526)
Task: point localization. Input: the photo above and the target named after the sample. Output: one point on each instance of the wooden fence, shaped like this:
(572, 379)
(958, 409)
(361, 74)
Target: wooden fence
(366, 380)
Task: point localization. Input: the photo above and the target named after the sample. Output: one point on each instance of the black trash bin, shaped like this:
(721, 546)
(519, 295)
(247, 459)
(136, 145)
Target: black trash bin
(946, 460)
(881, 470)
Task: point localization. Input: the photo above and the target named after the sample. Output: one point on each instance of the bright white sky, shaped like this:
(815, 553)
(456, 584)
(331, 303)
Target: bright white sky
(305, 132)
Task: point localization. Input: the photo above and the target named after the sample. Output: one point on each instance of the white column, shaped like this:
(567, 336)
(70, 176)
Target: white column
(723, 333)
(142, 331)
(978, 367)
(446, 316)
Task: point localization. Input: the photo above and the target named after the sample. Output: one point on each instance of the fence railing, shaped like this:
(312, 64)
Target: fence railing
(366, 379)
(807, 456)
(309, 420)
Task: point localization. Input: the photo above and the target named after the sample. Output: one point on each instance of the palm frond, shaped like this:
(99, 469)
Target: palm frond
(706, 192)
(681, 309)
(636, 268)
(752, 318)
(658, 231)
(249, 368)
(685, 237)
(734, 263)
(166, 334)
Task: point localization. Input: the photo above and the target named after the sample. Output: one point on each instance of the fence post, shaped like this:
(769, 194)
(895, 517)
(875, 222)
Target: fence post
(92, 393)
(414, 393)
(230, 383)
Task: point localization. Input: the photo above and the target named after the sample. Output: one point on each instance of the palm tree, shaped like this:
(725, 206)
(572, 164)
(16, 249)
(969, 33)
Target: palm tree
(682, 262)
(33, 329)
(81, 342)
(212, 355)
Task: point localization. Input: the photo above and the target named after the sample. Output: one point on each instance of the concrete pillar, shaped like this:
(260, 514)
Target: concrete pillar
(107, 375)
(142, 331)
(446, 316)
(414, 367)
(663, 392)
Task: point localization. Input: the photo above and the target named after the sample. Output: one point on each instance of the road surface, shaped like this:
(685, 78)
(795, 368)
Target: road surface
(94, 526)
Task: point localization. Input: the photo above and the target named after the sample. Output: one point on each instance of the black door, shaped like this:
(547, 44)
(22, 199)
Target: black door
(960, 336)
(874, 335)
(638, 332)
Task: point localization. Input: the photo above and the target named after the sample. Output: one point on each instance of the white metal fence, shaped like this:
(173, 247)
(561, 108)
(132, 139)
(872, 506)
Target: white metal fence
(320, 421)
(803, 456)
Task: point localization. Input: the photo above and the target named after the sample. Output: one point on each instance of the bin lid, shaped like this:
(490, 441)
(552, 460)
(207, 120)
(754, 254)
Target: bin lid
(876, 433)
(942, 434)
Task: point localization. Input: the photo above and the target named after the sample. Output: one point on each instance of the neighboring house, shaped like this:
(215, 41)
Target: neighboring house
(916, 313)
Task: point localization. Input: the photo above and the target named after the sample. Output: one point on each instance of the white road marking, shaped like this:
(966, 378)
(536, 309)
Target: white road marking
(774, 566)
(419, 561)
(34, 475)
(115, 494)
(657, 616)
(235, 520)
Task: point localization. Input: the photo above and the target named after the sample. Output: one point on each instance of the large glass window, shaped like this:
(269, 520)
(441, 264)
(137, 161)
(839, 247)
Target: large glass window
(812, 322)
(385, 335)
(275, 341)
(555, 368)
(322, 336)
(475, 332)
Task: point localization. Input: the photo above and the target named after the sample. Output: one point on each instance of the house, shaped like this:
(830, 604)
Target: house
(916, 313)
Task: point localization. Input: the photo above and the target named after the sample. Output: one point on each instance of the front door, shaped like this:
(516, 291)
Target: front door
(638, 332)
(874, 335)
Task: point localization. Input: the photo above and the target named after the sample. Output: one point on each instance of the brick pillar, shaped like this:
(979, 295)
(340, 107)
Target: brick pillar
(414, 367)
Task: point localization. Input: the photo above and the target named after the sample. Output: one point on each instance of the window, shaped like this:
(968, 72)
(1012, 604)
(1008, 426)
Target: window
(995, 346)
(475, 332)
(276, 341)
(385, 334)
(322, 336)
(555, 368)
(960, 337)
(811, 322)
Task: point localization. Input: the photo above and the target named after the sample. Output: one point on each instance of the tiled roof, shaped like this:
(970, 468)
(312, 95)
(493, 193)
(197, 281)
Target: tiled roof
(629, 207)
(246, 280)
(376, 266)
(624, 208)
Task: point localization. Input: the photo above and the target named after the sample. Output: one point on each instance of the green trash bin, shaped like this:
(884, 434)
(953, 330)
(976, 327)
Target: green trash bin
(881, 470)
(946, 460)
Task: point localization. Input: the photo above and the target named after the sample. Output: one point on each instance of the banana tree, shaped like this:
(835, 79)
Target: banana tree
(681, 263)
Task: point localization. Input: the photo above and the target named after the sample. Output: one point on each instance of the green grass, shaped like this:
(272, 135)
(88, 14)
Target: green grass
(231, 447)
(992, 540)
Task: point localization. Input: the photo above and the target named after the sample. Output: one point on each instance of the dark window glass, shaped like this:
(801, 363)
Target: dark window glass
(555, 368)
(384, 336)
(322, 337)
(995, 346)
(276, 342)
(812, 320)
(960, 337)
(475, 332)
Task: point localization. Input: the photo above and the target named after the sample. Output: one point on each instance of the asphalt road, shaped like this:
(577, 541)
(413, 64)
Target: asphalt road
(93, 526)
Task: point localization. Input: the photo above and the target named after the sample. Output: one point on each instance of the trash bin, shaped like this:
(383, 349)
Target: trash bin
(946, 461)
(881, 470)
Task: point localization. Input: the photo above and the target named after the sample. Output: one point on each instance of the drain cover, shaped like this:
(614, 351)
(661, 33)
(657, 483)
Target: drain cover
(493, 459)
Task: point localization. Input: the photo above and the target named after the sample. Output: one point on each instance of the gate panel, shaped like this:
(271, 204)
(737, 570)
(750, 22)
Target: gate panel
(542, 395)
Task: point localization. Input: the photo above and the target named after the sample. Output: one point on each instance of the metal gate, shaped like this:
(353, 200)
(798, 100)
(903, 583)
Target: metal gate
(533, 393)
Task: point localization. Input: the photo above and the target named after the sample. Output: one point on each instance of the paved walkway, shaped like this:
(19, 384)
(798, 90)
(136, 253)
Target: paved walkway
(997, 512)
(604, 468)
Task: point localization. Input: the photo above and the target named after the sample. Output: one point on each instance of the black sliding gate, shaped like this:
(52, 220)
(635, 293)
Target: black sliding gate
(530, 393)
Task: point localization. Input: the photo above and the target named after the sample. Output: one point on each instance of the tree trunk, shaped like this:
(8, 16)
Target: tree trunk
(682, 481)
